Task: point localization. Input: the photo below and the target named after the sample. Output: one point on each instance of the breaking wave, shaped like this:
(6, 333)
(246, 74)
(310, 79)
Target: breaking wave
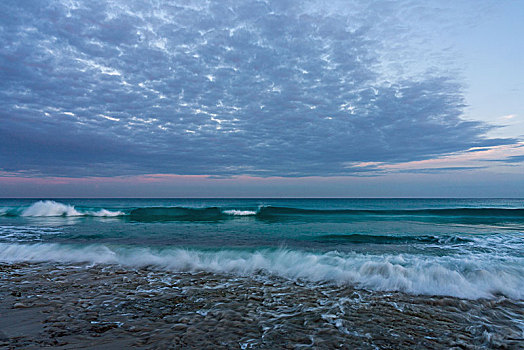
(236, 212)
(469, 277)
(50, 208)
(55, 209)
(274, 213)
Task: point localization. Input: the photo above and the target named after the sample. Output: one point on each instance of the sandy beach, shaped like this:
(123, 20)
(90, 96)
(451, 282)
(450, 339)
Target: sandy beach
(107, 307)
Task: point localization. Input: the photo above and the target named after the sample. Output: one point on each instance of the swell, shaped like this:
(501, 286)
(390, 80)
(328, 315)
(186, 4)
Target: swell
(377, 239)
(474, 212)
(470, 276)
(269, 212)
(56, 209)
(176, 213)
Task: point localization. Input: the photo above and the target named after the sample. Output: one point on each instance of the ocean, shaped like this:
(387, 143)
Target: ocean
(367, 271)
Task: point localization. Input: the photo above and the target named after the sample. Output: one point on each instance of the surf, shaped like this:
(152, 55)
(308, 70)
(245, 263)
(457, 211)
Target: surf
(470, 277)
(49, 208)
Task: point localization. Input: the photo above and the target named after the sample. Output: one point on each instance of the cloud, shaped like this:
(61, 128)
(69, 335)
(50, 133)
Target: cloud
(220, 88)
(512, 159)
(439, 170)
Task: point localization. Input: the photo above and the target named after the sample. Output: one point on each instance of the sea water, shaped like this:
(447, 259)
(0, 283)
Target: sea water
(265, 273)
(466, 248)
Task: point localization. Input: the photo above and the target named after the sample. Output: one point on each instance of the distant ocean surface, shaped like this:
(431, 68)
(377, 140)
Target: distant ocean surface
(465, 248)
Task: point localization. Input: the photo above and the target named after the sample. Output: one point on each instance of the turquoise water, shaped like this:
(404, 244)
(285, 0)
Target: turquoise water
(469, 248)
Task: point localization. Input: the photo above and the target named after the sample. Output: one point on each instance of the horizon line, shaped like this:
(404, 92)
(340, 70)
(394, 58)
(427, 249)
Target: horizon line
(177, 198)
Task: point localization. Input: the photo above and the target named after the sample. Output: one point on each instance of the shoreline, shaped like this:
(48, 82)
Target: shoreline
(107, 306)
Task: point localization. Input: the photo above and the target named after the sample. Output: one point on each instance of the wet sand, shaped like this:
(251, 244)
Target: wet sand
(108, 307)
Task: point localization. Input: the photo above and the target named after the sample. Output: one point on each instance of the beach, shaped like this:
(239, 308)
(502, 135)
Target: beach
(78, 306)
(108, 307)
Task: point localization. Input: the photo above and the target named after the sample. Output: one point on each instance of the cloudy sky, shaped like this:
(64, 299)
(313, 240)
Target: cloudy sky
(261, 98)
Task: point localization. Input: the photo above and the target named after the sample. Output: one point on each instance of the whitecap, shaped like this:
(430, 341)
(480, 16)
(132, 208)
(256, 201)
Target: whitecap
(237, 212)
(50, 208)
(469, 277)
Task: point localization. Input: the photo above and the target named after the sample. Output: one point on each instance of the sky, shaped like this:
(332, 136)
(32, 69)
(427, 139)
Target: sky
(250, 98)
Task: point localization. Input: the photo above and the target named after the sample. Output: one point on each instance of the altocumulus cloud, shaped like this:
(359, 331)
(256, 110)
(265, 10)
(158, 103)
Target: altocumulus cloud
(219, 88)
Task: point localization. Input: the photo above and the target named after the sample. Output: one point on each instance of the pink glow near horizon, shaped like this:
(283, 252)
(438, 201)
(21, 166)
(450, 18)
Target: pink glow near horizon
(471, 158)
(11, 178)
(474, 158)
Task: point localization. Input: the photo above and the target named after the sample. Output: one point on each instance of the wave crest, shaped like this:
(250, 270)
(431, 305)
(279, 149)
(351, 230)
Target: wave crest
(236, 212)
(51, 208)
(459, 276)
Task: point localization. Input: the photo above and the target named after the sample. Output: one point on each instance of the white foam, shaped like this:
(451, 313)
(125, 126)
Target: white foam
(105, 213)
(17, 233)
(52, 208)
(459, 276)
(237, 212)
